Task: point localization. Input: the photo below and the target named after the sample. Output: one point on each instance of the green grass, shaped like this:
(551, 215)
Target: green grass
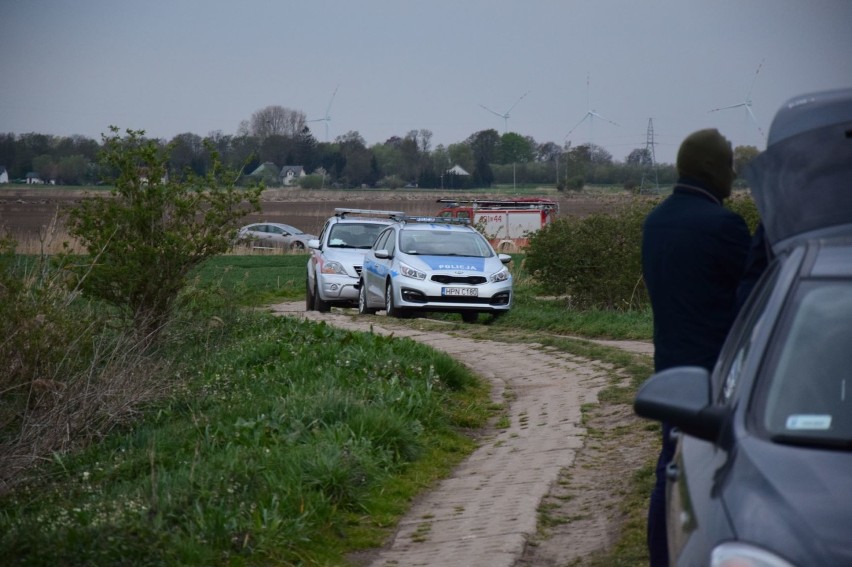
(273, 448)
(256, 279)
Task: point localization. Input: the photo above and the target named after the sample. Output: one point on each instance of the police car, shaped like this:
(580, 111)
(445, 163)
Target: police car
(429, 264)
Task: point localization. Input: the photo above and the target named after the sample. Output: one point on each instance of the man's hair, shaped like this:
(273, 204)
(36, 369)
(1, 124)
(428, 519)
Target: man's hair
(702, 153)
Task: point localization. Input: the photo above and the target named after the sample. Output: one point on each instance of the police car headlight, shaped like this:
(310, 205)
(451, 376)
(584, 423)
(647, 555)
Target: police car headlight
(333, 267)
(410, 272)
(500, 276)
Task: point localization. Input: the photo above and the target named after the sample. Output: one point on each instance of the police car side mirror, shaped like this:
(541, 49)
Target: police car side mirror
(505, 258)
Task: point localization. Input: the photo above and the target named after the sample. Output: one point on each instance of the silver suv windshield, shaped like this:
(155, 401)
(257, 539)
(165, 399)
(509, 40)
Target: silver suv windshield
(354, 234)
(809, 395)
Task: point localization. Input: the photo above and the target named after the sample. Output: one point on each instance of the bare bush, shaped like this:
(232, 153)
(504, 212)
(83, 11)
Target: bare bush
(68, 411)
(66, 377)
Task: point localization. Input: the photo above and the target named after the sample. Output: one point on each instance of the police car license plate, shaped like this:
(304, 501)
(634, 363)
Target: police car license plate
(465, 291)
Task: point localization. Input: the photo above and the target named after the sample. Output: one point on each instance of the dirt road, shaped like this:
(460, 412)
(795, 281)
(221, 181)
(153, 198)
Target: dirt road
(487, 512)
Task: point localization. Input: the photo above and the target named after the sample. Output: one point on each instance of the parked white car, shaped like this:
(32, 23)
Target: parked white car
(431, 264)
(334, 267)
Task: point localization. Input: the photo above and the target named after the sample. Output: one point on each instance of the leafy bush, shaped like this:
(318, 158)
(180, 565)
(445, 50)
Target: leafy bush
(595, 261)
(313, 181)
(152, 231)
(743, 204)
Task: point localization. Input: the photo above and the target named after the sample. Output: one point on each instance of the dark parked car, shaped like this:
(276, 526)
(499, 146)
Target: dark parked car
(762, 475)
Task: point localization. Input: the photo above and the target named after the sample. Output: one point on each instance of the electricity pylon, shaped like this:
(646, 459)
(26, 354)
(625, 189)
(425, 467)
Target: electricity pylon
(649, 168)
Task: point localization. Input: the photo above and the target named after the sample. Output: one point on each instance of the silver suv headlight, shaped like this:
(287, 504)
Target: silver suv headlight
(500, 276)
(410, 272)
(333, 267)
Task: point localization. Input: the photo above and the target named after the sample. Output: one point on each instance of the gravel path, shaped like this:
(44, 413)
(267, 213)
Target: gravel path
(485, 512)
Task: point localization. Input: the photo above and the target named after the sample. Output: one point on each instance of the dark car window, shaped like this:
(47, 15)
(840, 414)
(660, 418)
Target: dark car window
(390, 245)
(381, 241)
(808, 386)
(354, 235)
(325, 228)
(741, 337)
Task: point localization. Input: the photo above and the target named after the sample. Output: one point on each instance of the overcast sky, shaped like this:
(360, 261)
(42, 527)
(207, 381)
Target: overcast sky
(173, 66)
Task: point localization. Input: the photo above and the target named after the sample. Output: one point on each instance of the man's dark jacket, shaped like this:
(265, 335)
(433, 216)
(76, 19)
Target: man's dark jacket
(693, 257)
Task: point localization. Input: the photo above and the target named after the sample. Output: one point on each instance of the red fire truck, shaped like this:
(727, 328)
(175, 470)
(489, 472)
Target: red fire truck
(507, 223)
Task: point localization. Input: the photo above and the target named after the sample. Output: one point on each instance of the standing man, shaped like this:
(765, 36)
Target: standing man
(693, 256)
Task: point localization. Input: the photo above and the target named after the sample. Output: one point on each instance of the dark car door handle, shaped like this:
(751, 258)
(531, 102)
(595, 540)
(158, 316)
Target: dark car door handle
(672, 472)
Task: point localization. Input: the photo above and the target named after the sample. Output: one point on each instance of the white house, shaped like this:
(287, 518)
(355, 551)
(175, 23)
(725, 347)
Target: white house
(457, 170)
(4, 174)
(34, 178)
(290, 173)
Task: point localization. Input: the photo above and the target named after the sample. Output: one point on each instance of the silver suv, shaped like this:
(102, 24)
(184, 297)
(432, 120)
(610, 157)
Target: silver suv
(334, 266)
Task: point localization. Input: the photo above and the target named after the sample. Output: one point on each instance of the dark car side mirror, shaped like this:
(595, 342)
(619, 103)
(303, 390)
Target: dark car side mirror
(680, 396)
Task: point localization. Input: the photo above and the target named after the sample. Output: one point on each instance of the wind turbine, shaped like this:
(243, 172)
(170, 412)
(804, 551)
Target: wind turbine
(747, 103)
(590, 115)
(327, 118)
(505, 115)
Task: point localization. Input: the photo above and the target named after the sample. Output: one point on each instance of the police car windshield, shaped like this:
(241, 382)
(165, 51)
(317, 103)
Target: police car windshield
(443, 243)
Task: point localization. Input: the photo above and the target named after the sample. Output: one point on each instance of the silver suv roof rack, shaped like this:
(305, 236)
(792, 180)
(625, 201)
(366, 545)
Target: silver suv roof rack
(434, 220)
(343, 212)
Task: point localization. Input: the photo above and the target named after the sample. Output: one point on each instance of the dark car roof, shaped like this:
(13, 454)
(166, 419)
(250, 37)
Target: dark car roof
(802, 183)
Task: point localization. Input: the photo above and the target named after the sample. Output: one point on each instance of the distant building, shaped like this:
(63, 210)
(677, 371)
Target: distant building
(457, 170)
(290, 173)
(4, 174)
(267, 172)
(34, 178)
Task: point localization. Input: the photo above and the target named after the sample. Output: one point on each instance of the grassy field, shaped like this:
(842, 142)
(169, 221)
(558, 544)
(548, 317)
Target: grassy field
(266, 446)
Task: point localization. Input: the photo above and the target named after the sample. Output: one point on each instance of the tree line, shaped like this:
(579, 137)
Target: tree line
(282, 136)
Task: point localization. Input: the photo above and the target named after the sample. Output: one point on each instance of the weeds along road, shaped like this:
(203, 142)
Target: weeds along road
(487, 513)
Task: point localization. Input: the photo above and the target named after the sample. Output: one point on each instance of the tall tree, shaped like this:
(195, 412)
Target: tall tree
(742, 156)
(278, 149)
(515, 149)
(358, 158)
(639, 157)
(484, 145)
(72, 170)
(187, 153)
(277, 120)
(548, 151)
